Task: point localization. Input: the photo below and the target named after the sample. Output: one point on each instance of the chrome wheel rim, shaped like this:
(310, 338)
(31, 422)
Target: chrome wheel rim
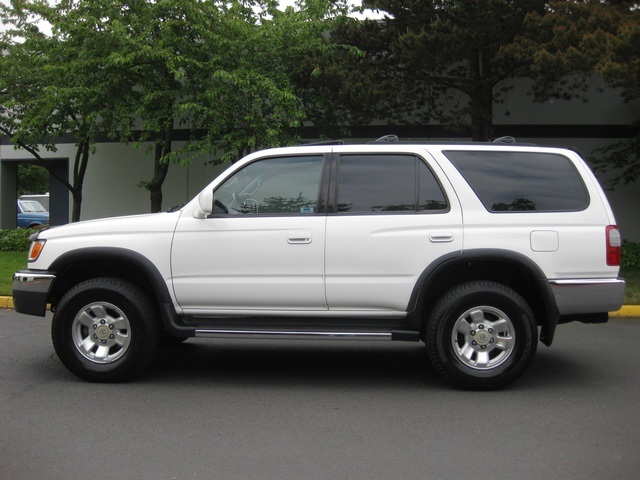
(483, 338)
(101, 332)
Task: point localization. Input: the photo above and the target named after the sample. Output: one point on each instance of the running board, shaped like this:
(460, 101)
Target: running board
(257, 334)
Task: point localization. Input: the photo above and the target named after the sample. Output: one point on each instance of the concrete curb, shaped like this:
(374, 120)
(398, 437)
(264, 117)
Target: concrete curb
(6, 302)
(625, 311)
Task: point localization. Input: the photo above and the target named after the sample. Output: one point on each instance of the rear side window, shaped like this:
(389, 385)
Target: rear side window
(522, 181)
(387, 184)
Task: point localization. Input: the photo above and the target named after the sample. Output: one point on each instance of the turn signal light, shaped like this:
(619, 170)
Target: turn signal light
(35, 250)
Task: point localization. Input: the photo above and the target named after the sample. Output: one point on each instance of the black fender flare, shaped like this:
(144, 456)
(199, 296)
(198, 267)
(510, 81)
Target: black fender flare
(431, 273)
(163, 298)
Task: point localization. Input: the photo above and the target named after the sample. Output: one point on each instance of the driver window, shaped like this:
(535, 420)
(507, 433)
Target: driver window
(286, 185)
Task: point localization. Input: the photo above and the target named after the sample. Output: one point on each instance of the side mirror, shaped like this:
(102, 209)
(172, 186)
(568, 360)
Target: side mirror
(205, 204)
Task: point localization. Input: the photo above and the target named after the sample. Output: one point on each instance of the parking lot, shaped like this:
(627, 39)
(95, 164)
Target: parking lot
(312, 410)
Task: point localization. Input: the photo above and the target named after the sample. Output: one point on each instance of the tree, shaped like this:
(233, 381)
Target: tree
(57, 85)
(577, 40)
(32, 179)
(218, 69)
(442, 58)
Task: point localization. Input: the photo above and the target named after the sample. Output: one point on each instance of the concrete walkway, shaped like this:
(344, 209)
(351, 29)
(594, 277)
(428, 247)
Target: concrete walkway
(625, 311)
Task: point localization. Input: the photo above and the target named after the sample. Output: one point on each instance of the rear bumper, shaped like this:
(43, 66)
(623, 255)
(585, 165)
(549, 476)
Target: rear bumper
(31, 291)
(587, 296)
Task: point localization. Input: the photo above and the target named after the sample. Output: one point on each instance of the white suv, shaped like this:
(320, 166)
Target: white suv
(471, 248)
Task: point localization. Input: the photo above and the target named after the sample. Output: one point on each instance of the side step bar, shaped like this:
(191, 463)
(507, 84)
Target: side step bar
(256, 334)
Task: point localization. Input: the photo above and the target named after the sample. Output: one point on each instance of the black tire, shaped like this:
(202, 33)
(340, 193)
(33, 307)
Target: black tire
(481, 335)
(105, 330)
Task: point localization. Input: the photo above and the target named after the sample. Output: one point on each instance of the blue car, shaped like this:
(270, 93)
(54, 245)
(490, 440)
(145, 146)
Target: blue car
(31, 214)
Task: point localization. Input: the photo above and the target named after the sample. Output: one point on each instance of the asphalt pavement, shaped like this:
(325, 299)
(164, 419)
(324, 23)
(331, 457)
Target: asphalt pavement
(320, 410)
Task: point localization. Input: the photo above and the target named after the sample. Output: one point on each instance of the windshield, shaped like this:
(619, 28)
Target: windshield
(31, 206)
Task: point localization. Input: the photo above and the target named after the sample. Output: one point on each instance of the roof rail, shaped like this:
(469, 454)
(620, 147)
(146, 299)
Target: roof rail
(387, 139)
(506, 139)
(319, 144)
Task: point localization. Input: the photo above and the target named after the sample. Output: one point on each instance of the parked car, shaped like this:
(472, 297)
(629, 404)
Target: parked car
(31, 213)
(478, 250)
(43, 198)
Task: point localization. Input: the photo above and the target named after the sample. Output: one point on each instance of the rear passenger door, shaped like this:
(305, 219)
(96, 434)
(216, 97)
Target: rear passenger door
(390, 216)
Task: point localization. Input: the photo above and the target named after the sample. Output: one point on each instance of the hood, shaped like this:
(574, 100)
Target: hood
(146, 223)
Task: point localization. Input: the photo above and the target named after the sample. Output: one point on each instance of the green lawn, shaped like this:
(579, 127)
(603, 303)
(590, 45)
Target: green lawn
(12, 261)
(9, 263)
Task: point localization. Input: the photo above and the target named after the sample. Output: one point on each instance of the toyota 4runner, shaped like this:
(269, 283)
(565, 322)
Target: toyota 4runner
(476, 249)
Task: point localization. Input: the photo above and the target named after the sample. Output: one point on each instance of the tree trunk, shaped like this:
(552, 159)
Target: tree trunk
(79, 170)
(160, 169)
(481, 98)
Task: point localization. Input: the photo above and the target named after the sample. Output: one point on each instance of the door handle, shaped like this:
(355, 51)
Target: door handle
(299, 238)
(441, 237)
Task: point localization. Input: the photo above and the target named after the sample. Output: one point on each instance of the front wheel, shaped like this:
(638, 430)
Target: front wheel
(481, 335)
(105, 330)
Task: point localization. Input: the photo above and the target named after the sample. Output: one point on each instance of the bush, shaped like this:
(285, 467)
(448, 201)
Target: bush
(16, 240)
(630, 255)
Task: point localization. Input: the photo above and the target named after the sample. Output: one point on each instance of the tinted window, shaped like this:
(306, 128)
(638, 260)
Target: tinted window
(522, 181)
(273, 186)
(387, 183)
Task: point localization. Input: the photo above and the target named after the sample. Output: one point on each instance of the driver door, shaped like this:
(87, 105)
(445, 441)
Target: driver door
(262, 248)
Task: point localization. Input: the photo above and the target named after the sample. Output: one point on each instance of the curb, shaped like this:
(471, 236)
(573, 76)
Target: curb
(626, 310)
(6, 302)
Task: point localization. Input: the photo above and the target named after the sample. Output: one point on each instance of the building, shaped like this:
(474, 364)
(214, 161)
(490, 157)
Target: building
(115, 170)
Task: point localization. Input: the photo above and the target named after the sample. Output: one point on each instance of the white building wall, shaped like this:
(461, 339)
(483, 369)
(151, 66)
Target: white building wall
(114, 172)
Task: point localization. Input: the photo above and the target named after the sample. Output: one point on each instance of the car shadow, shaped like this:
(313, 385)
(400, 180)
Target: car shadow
(295, 363)
(306, 364)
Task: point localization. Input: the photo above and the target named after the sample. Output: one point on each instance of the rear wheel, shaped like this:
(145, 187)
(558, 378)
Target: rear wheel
(481, 335)
(105, 330)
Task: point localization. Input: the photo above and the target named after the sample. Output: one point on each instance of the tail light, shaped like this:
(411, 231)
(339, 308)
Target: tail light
(614, 246)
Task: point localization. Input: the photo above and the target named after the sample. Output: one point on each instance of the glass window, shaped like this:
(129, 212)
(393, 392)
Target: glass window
(522, 181)
(287, 185)
(387, 183)
(430, 196)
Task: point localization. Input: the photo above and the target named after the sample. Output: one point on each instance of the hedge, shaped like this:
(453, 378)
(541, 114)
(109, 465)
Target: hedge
(15, 240)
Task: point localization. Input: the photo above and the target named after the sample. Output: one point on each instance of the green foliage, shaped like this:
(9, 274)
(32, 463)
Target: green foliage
(623, 157)
(221, 70)
(630, 255)
(32, 179)
(15, 240)
(573, 41)
(437, 60)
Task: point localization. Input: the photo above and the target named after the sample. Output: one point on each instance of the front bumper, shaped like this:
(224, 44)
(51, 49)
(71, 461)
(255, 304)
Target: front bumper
(586, 296)
(31, 291)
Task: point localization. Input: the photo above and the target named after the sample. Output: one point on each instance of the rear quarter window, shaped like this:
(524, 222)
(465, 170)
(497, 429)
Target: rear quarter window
(522, 181)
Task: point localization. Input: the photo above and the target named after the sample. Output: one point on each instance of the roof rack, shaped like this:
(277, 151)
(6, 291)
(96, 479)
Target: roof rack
(507, 139)
(326, 142)
(391, 138)
(387, 139)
